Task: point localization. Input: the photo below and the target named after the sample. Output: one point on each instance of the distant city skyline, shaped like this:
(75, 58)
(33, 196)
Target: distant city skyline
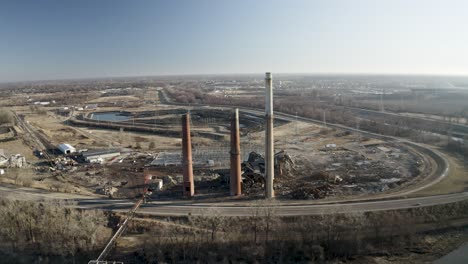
(53, 39)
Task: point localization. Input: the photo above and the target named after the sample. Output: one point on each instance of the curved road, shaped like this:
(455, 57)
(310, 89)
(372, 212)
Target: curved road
(232, 208)
(245, 208)
(441, 162)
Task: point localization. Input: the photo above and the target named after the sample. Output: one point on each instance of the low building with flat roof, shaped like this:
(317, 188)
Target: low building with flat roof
(94, 156)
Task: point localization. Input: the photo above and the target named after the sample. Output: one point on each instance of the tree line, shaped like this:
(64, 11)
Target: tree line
(50, 228)
(263, 236)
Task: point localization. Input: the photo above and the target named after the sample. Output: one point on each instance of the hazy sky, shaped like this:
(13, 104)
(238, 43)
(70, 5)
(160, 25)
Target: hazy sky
(73, 39)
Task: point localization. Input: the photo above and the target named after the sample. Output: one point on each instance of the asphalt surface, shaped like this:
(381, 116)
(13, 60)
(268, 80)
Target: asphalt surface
(230, 208)
(442, 165)
(388, 201)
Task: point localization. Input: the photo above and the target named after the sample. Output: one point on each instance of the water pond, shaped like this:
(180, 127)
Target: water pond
(111, 116)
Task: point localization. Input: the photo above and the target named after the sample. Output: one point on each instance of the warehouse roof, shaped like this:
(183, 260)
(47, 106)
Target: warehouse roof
(64, 147)
(98, 152)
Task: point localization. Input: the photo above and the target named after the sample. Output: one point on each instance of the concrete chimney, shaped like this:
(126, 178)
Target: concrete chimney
(269, 142)
(235, 179)
(189, 188)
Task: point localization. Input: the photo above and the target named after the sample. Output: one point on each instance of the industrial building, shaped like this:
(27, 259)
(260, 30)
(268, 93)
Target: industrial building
(65, 111)
(203, 156)
(98, 156)
(91, 107)
(66, 148)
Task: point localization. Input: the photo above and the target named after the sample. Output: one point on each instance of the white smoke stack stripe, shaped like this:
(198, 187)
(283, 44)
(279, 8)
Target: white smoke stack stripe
(269, 143)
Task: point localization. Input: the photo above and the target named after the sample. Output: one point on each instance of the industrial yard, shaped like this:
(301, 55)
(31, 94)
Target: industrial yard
(233, 132)
(110, 145)
(148, 152)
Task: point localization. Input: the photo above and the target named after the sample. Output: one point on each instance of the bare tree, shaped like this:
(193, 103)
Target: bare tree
(6, 117)
(51, 227)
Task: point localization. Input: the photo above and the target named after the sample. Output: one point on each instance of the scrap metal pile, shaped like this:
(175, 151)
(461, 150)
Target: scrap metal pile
(286, 181)
(312, 190)
(14, 161)
(254, 169)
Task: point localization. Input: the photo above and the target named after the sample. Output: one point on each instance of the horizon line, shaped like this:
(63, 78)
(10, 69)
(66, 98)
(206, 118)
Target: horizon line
(236, 74)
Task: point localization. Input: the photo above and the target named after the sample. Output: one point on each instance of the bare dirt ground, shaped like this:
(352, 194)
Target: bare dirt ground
(352, 165)
(305, 142)
(455, 181)
(114, 99)
(127, 139)
(350, 160)
(18, 147)
(54, 127)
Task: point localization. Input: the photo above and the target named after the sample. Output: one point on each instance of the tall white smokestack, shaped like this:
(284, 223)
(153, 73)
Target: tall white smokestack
(269, 143)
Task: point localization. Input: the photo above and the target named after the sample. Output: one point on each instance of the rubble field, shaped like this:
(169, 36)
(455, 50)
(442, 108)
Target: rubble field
(320, 163)
(311, 162)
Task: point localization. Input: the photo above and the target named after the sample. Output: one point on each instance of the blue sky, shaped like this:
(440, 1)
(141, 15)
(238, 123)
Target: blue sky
(87, 38)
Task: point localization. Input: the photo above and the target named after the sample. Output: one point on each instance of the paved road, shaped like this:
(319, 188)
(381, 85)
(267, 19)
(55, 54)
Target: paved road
(240, 208)
(440, 171)
(229, 208)
(297, 210)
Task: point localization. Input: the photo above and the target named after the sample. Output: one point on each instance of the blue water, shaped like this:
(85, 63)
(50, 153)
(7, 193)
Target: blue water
(111, 116)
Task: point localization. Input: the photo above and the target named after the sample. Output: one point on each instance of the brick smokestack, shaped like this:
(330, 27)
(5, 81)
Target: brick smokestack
(189, 188)
(269, 143)
(235, 179)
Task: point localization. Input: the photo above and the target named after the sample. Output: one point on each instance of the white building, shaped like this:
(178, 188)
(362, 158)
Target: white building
(91, 107)
(66, 148)
(42, 103)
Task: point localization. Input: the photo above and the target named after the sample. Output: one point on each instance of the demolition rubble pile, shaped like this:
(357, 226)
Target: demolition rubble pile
(61, 164)
(64, 164)
(312, 190)
(317, 186)
(286, 182)
(14, 161)
(341, 172)
(253, 168)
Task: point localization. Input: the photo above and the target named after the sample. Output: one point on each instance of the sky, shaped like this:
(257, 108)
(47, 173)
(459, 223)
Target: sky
(57, 39)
